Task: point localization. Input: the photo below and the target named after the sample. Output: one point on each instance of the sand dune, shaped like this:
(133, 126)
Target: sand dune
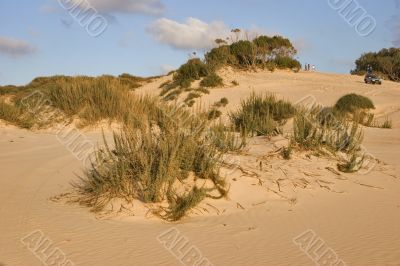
(271, 201)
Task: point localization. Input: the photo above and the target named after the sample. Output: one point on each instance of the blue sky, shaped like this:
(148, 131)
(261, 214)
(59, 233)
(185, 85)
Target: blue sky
(149, 37)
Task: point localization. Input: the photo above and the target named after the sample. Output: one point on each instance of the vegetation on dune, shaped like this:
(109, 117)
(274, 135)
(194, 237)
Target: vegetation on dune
(262, 114)
(221, 103)
(356, 108)
(211, 81)
(261, 52)
(329, 136)
(88, 99)
(152, 162)
(386, 62)
(353, 102)
(168, 157)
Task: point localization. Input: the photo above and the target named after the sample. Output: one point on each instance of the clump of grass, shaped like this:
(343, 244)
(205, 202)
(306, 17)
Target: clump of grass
(329, 136)
(211, 81)
(179, 205)
(387, 124)
(235, 83)
(190, 103)
(221, 103)
(214, 114)
(353, 102)
(368, 119)
(203, 90)
(92, 101)
(262, 114)
(287, 152)
(310, 134)
(193, 70)
(147, 163)
(225, 139)
(353, 165)
(15, 115)
(192, 96)
(173, 94)
(132, 82)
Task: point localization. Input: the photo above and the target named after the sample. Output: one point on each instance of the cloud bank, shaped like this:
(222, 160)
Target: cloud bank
(15, 48)
(150, 7)
(193, 34)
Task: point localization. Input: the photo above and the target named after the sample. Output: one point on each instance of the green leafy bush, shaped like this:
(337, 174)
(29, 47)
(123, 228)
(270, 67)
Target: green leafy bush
(353, 102)
(286, 63)
(386, 62)
(211, 81)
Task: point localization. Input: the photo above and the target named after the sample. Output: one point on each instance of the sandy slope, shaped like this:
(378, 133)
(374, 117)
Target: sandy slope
(356, 215)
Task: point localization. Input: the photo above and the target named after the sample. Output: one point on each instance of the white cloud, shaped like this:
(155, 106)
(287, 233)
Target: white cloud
(193, 34)
(152, 7)
(14, 47)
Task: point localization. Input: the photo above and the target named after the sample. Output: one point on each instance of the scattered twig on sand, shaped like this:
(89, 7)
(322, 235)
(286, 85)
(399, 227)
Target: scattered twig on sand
(239, 206)
(333, 171)
(311, 174)
(366, 185)
(323, 186)
(215, 208)
(260, 203)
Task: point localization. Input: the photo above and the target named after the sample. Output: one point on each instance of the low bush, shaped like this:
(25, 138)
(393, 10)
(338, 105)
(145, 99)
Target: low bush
(214, 114)
(353, 102)
(287, 63)
(262, 114)
(235, 83)
(211, 81)
(221, 103)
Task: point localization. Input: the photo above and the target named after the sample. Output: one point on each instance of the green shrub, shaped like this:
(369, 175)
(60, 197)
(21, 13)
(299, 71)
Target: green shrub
(287, 63)
(211, 81)
(219, 57)
(385, 62)
(244, 52)
(194, 69)
(353, 102)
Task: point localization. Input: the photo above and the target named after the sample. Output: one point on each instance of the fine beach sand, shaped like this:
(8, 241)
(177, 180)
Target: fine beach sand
(271, 201)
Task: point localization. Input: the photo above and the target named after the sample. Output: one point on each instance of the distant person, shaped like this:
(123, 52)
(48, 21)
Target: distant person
(369, 69)
(305, 67)
(313, 68)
